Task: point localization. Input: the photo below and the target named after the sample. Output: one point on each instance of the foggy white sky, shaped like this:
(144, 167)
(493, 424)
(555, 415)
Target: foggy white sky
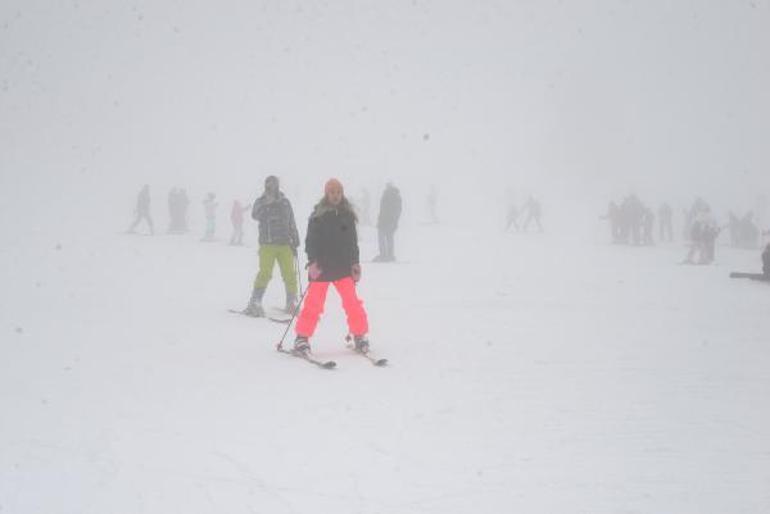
(670, 98)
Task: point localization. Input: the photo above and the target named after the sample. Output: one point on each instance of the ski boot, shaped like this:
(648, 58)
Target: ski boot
(361, 344)
(254, 308)
(301, 346)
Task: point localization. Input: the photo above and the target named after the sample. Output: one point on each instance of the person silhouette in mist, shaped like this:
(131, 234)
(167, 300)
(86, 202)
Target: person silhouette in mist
(432, 201)
(534, 213)
(210, 208)
(236, 218)
(142, 210)
(648, 225)
(666, 222)
(387, 223)
(511, 216)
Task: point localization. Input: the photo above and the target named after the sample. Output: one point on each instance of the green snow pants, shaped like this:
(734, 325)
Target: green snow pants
(268, 254)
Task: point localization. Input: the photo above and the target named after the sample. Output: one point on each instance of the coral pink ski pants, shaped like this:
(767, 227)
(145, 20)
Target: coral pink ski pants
(313, 307)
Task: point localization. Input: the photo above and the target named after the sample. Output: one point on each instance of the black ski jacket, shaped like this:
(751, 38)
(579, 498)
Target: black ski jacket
(276, 221)
(332, 242)
(390, 209)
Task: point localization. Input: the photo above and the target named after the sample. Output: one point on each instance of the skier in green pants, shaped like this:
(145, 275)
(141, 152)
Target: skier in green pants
(278, 241)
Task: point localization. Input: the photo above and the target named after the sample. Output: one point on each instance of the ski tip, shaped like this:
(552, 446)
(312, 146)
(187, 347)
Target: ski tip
(235, 311)
(329, 365)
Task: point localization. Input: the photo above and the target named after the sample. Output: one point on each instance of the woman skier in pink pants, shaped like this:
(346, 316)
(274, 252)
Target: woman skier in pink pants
(331, 245)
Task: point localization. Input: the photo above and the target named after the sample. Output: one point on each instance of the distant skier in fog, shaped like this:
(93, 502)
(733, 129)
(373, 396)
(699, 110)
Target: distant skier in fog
(387, 223)
(511, 217)
(172, 216)
(614, 216)
(236, 218)
(210, 208)
(703, 235)
(744, 233)
(142, 210)
(632, 211)
(183, 203)
(666, 222)
(648, 226)
(734, 228)
(696, 241)
(766, 262)
(177, 211)
(278, 241)
(333, 258)
(698, 208)
(534, 213)
(710, 234)
(432, 202)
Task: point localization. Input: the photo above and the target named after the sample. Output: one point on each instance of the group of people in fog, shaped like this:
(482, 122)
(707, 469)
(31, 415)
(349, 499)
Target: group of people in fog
(532, 211)
(632, 222)
(179, 202)
(702, 228)
(744, 232)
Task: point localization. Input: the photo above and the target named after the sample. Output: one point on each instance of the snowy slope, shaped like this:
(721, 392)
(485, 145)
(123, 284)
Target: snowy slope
(524, 378)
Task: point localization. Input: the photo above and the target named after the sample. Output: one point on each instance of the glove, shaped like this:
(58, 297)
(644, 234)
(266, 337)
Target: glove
(355, 272)
(314, 271)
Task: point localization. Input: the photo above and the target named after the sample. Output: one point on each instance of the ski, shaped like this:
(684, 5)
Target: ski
(308, 358)
(235, 311)
(752, 276)
(284, 321)
(374, 360)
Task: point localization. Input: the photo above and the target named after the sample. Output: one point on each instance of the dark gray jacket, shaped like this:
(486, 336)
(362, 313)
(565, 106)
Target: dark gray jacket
(276, 221)
(390, 209)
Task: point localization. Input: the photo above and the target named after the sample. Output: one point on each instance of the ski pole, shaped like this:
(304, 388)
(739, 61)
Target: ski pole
(299, 275)
(279, 346)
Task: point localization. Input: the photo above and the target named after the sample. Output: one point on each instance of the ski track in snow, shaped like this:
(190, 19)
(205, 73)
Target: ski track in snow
(613, 381)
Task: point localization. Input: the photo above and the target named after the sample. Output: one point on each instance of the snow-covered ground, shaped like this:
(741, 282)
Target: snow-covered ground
(529, 373)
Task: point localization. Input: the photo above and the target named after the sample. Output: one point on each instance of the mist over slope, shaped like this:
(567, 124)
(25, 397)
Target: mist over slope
(578, 100)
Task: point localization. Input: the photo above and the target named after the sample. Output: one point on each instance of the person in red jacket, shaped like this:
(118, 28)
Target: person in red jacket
(236, 217)
(331, 245)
